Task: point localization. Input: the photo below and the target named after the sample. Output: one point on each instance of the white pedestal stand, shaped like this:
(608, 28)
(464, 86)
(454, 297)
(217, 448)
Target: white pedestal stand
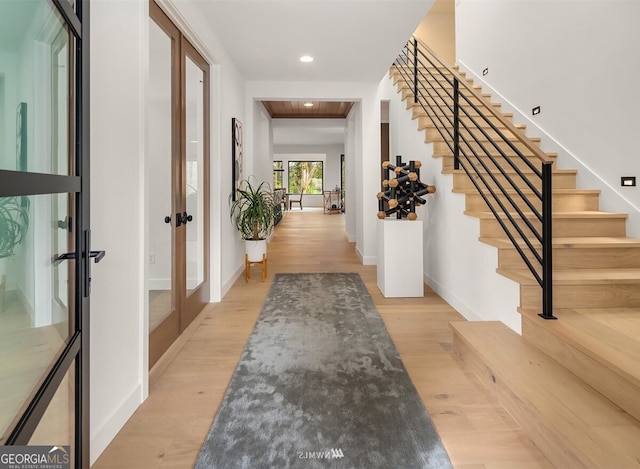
(400, 264)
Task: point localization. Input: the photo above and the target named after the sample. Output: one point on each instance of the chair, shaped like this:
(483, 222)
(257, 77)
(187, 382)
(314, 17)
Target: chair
(296, 201)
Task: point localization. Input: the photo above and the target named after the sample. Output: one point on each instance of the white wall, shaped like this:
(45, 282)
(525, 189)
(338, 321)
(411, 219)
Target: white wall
(456, 265)
(262, 144)
(119, 71)
(118, 337)
(578, 62)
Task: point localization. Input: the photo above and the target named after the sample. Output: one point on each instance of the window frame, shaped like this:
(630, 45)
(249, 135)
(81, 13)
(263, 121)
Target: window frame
(278, 171)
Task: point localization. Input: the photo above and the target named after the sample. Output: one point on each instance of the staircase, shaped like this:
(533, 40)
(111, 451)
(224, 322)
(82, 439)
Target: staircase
(572, 384)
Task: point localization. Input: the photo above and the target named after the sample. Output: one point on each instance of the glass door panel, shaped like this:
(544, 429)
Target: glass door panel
(194, 177)
(56, 428)
(34, 323)
(195, 181)
(43, 334)
(159, 177)
(34, 88)
(161, 174)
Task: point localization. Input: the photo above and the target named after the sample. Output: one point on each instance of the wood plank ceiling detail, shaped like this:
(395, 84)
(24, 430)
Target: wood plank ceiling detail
(297, 109)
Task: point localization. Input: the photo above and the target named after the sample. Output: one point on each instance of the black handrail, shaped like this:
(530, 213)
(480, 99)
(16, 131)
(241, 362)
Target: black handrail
(490, 162)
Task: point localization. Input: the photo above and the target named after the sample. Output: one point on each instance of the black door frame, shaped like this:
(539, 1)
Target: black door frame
(16, 183)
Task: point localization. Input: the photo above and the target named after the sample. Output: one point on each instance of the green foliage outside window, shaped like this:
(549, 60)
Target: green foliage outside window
(278, 172)
(307, 175)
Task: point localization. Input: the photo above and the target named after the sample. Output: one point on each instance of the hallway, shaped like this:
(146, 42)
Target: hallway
(188, 384)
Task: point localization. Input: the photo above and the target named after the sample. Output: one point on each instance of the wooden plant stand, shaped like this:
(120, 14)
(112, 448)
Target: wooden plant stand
(247, 267)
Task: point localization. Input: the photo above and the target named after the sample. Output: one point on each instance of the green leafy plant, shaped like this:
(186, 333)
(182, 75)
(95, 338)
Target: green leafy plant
(14, 223)
(253, 212)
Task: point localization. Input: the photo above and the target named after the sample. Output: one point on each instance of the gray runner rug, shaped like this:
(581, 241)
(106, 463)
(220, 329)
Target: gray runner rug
(321, 385)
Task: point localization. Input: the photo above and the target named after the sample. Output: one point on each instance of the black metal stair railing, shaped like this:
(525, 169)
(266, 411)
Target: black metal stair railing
(511, 174)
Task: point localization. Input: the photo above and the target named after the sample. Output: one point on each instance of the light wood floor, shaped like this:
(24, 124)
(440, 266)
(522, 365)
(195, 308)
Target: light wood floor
(169, 428)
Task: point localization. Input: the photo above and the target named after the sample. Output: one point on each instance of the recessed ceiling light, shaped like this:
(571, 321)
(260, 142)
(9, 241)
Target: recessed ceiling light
(308, 104)
(306, 59)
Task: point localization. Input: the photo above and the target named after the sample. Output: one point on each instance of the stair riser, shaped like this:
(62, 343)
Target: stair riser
(614, 386)
(404, 87)
(447, 162)
(562, 202)
(407, 94)
(461, 181)
(425, 123)
(432, 135)
(608, 295)
(444, 113)
(474, 148)
(563, 227)
(578, 258)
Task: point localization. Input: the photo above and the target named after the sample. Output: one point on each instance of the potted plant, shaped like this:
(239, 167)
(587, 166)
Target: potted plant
(14, 223)
(253, 214)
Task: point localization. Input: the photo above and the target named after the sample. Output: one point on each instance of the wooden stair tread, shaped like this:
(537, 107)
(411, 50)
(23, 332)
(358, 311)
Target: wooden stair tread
(484, 125)
(571, 242)
(421, 111)
(550, 155)
(449, 154)
(595, 214)
(576, 276)
(529, 191)
(607, 336)
(430, 125)
(511, 138)
(565, 417)
(511, 171)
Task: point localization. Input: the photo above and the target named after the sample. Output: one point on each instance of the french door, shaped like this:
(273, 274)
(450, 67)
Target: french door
(45, 243)
(178, 183)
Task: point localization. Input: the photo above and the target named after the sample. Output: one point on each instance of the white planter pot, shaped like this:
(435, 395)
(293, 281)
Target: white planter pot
(255, 249)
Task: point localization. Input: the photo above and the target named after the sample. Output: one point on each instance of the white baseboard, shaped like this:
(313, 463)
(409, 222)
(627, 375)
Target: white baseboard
(106, 432)
(227, 285)
(159, 284)
(469, 313)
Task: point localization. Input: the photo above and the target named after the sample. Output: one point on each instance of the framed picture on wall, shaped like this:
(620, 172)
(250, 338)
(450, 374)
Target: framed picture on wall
(236, 145)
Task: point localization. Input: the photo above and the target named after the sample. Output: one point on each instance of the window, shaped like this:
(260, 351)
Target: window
(305, 175)
(278, 171)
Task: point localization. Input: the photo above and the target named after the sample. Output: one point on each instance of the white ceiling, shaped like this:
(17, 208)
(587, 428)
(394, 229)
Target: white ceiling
(351, 40)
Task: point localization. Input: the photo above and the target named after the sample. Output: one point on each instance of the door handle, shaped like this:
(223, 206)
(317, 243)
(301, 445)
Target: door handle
(65, 224)
(97, 256)
(167, 219)
(183, 219)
